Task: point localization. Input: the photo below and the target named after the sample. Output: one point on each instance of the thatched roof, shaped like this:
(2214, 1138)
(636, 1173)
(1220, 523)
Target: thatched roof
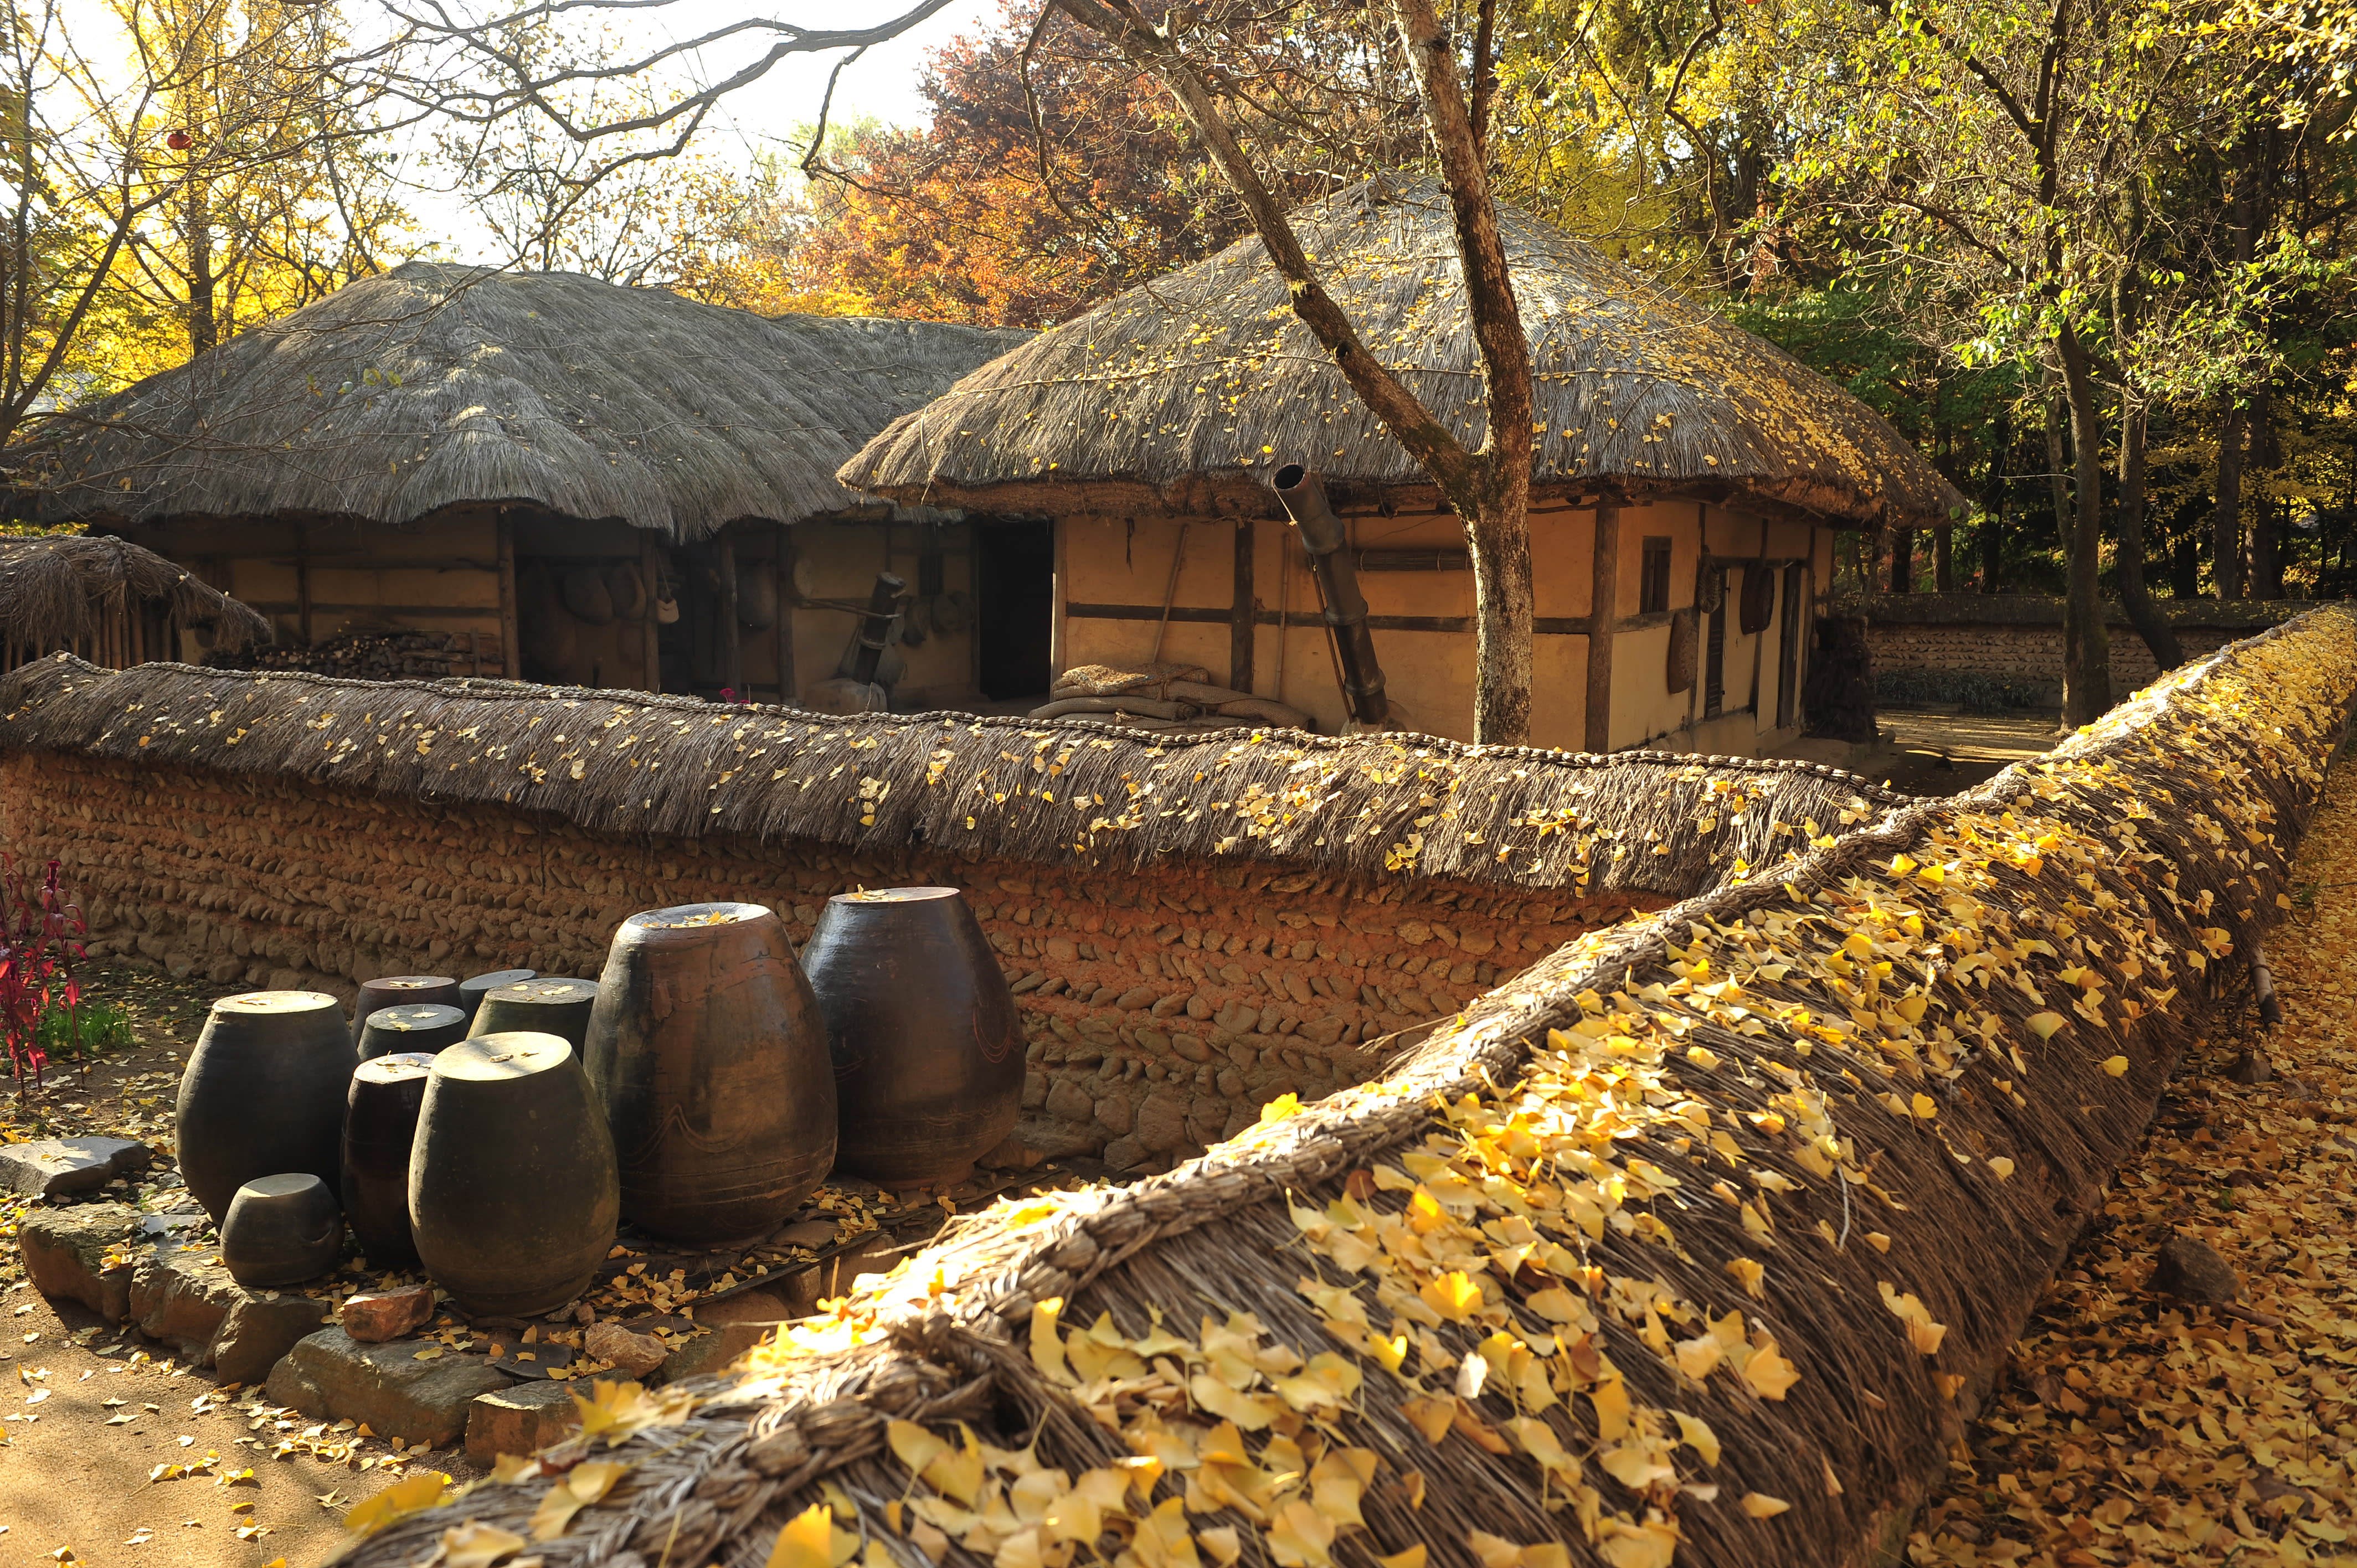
(1641, 826)
(57, 589)
(1186, 393)
(432, 385)
(1700, 1241)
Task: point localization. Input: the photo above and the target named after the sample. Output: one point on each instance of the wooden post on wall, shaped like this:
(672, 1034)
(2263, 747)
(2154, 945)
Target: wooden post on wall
(649, 643)
(1240, 610)
(511, 647)
(732, 632)
(303, 583)
(782, 562)
(1603, 612)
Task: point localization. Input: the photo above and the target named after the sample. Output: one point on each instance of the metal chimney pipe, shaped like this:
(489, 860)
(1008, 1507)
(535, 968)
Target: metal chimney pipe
(1323, 535)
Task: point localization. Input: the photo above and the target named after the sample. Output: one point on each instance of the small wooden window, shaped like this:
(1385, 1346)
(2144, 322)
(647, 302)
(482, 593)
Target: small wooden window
(1653, 581)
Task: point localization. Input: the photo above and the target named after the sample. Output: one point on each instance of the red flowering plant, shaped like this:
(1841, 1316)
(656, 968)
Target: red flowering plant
(39, 945)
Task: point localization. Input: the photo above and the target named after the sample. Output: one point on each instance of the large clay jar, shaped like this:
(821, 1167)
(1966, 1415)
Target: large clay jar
(263, 1093)
(280, 1231)
(380, 1124)
(427, 1029)
(400, 991)
(709, 1054)
(512, 1190)
(474, 987)
(539, 1006)
(927, 1050)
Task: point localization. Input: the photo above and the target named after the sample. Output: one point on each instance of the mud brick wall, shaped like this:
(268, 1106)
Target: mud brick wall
(1164, 1008)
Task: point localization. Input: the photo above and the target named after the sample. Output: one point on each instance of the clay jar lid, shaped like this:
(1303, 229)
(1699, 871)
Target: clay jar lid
(559, 1007)
(425, 1028)
(682, 916)
(489, 1062)
(474, 987)
(396, 1066)
(400, 991)
(262, 1007)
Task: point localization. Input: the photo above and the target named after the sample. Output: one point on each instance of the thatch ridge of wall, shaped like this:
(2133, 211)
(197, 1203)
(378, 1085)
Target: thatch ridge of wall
(56, 589)
(2053, 934)
(1184, 394)
(1057, 791)
(436, 385)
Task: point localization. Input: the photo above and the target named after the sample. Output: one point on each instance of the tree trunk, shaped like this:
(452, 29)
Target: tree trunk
(2227, 518)
(2266, 549)
(204, 322)
(1992, 509)
(1944, 559)
(1603, 612)
(2086, 649)
(2158, 634)
(2058, 472)
(1902, 560)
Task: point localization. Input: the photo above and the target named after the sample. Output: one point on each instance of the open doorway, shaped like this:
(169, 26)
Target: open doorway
(1014, 606)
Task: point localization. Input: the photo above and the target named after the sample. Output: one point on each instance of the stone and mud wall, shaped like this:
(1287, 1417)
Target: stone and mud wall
(2015, 641)
(1164, 1005)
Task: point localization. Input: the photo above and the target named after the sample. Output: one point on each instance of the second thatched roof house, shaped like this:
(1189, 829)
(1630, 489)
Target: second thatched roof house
(109, 602)
(1151, 428)
(542, 465)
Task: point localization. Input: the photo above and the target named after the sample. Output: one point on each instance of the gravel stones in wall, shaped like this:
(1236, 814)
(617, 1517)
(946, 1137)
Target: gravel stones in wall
(1164, 1007)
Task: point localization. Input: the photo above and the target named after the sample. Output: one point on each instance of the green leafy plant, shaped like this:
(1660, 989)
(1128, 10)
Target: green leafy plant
(84, 1033)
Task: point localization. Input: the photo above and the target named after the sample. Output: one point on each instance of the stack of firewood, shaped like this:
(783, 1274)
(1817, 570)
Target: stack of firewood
(371, 656)
(1163, 698)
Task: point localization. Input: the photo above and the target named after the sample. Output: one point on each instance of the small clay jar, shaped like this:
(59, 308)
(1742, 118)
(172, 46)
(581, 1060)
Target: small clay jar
(474, 987)
(708, 1052)
(927, 1050)
(380, 1124)
(539, 1006)
(263, 1093)
(425, 1028)
(400, 991)
(512, 1186)
(280, 1231)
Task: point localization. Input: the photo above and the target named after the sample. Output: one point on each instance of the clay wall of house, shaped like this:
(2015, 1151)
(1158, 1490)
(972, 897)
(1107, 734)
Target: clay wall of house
(1114, 575)
(1164, 1008)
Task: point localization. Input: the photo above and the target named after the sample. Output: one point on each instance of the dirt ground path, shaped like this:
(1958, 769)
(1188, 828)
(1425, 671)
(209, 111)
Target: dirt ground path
(71, 1482)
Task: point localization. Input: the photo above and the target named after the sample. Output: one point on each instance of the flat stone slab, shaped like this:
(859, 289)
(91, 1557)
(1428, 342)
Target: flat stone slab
(715, 1350)
(524, 1418)
(333, 1377)
(57, 1167)
(66, 1252)
(182, 1295)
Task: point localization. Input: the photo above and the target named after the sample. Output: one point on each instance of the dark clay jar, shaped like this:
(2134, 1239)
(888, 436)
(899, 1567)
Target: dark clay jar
(280, 1231)
(263, 1093)
(511, 1189)
(380, 1124)
(425, 1028)
(539, 1006)
(474, 987)
(927, 1050)
(708, 1052)
(400, 991)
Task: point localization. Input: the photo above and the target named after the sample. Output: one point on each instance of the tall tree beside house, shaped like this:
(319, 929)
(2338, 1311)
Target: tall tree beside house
(272, 192)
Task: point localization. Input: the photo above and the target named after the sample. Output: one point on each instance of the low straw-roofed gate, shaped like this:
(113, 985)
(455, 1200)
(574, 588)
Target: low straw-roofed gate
(1700, 1237)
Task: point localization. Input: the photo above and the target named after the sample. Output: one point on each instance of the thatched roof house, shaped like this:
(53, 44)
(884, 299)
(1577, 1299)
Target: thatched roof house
(1180, 396)
(110, 601)
(604, 423)
(1179, 400)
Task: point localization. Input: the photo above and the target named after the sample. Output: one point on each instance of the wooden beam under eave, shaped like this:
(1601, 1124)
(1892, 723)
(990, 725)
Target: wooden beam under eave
(783, 563)
(1240, 610)
(732, 631)
(650, 630)
(511, 644)
(1603, 609)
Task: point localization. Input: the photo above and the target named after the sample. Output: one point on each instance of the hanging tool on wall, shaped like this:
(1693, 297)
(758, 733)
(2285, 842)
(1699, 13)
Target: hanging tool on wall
(876, 632)
(1326, 540)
